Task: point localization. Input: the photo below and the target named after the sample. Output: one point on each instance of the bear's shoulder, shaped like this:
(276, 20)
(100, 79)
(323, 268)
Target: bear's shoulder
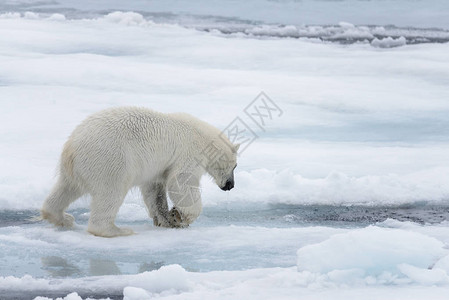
(195, 123)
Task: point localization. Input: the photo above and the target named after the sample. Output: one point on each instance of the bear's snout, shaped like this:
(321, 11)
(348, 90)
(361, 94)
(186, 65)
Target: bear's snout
(228, 186)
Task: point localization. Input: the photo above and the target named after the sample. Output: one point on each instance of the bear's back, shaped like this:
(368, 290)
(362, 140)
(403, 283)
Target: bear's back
(204, 129)
(120, 123)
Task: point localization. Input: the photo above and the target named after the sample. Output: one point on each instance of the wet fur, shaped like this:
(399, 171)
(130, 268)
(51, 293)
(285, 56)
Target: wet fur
(117, 149)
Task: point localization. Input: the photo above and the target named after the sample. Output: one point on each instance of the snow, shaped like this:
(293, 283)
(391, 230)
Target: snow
(337, 188)
(364, 124)
(351, 142)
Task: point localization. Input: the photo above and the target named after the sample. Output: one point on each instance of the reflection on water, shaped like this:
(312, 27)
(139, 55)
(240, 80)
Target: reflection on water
(56, 266)
(59, 267)
(99, 267)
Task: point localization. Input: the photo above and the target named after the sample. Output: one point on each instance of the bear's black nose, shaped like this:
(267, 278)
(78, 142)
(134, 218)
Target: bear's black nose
(228, 186)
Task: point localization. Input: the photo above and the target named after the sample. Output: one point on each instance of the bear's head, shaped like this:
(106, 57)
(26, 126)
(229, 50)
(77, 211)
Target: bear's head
(222, 166)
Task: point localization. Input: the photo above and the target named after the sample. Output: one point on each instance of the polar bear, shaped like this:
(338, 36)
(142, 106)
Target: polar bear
(117, 149)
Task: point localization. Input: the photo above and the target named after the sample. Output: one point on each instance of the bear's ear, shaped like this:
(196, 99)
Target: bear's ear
(236, 148)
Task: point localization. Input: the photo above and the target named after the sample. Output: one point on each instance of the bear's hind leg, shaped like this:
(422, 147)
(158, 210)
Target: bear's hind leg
(62, 194)
(104, 209)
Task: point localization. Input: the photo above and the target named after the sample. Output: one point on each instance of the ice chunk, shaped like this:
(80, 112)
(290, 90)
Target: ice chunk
(171, 277)
(388, 42)
(10, 15)
(57, 17)
(443, 264)
(31, 15)
(422, 276)
(71, 296)
(133, 293)
(266, 30)
(374, 250)
(346, 25)
(127, 18)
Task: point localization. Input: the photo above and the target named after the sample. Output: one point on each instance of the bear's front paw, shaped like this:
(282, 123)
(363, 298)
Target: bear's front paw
(175, 218)
(172, 219)
(162, 221)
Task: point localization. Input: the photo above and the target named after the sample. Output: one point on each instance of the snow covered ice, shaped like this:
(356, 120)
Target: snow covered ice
(343, 196)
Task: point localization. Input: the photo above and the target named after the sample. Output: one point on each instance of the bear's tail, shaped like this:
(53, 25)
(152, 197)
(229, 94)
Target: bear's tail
(67, 158)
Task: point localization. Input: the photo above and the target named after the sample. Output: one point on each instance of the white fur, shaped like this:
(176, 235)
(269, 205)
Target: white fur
(116, 149)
